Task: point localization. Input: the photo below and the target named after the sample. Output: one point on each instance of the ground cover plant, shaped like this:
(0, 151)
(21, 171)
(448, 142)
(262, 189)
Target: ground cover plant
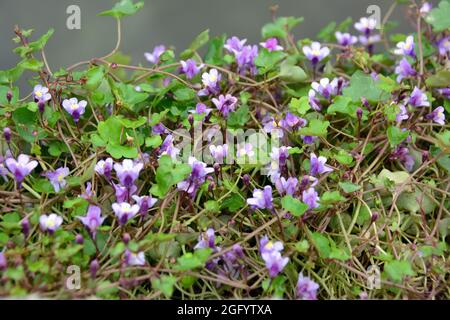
(291, 168)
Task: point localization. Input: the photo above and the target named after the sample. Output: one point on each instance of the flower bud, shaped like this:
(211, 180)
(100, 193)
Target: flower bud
(191, 119)
(3, 262)
(359, 113)
(93, 268)
(9, 96)
(216, 167)
(126, 238)
(25, 227)
(374, 216)
(425, 156)
(365, 102)
(246, 180)
(79, 239)
(41, 106)
(7, 134)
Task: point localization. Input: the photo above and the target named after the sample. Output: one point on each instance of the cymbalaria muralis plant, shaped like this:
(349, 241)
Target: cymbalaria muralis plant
(296, 169)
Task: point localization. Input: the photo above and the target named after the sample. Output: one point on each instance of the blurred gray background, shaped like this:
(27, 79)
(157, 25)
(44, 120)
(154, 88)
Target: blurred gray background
(169, 22)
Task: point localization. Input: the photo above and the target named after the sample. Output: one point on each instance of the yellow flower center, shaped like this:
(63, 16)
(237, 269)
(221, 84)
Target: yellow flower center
(50, 223)
(316, 52)
(38, 94)
(74, 106)
(269, 245)
(60, 177)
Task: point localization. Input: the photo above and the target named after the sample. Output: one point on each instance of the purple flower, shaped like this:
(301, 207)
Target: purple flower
(444, 92)
(271, 125)
(366, 25)
(345, 39)
(437, 115)
(196, 178)
(168, 148)
(245, 149)
(104, 167)
(3, 261)
(317, 165)
(144, 203)
(201, 108)
(315, 52)
(206, 240)
(7, 134)
(234, 44)
(245, 59)
(311, 198)
(88, 193)
(406, 48)
(57, 178)
(40, 94)
(190, 68)
(402, 154)
(288, 186)
(123, 193)
(262, 199)
(292, 122)
(325, 88)
(154, 56)
(313, 101)
(271, 254)
(125, 211)
(134, 259)
(444, 46)
(402, 115)
(159, 129)
(271, 44)
(369, 40)
(50, 223)
(3, 170)
(219, 152)
(225, 104)
(210, 82)
(425, 8)
(308, 139)
(74, 108)
(418, 98)
(93, 219)
(404, 70)
(128, 171)
(20, 168)
(306, 288)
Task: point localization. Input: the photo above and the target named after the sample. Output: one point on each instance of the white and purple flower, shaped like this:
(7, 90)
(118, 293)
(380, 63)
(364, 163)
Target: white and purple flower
(57, 178)
(219, 152)
(311, 198)
(437, 115)
(154, 56)
(418, 98)
(315, 53)
(128, 171)
(104, 167)
(125, 211)
(317, 165)
(262, 199)
(306, 288)
(93, 219)
(50, 223)
(144, 203)
(210, 82)
(271, 44)
(404, 70)
(21, 167)
(271, 254)
(225, 104)
(345, 39)
(406, 48)
(190, 68)
(74, 108)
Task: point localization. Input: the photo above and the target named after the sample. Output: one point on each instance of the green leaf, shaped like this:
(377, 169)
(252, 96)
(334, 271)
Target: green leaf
(118, 151)
(326, 34)
(31, 64)
(315, 128)
(343, 157)
(349, 187)
(362, 85)
(387, 84)
(123, 8)
(439, 17)
(439, 80)
(280, 27)
(190, 261)
(330, 197)
(267, 60)
(398, 269)
(200, 40)
(294, 206)
(322, 244)
(165, 284)
(396, 135)
(299, 106)
(214, 55)
(292, 73)
(24, 116)
(184, 94)
(345, 105)
(153, 141)
(212, 206)
(95, 77)
(168, 174)
(233, 203)
(132, 124)
(238, 118)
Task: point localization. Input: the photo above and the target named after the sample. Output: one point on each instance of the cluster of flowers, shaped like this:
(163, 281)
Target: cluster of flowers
(232, 262)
